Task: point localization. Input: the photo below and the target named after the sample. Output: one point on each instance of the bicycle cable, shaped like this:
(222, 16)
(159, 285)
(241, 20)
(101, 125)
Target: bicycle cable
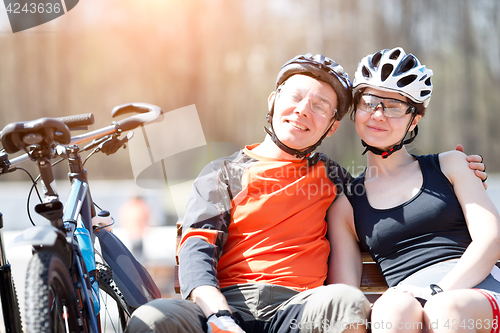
(89, 155)
(97, 205)
(33, 185)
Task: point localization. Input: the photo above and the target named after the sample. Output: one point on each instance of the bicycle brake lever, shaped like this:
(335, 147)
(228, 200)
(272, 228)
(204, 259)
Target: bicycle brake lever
(111, 146)
(96, 142)
(4, 163)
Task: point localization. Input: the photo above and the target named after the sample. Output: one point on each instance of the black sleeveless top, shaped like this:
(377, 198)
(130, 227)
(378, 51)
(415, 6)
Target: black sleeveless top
(427, 229)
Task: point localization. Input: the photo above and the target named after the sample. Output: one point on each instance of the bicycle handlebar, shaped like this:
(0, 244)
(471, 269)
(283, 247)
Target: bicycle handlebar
(78, 121)
(148, 112)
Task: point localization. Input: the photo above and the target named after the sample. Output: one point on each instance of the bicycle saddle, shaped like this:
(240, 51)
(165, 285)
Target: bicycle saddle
(17, 136)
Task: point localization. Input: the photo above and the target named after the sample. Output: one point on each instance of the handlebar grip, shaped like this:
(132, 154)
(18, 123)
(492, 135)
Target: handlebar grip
(50, 130)
(148, 112)
(78, 121)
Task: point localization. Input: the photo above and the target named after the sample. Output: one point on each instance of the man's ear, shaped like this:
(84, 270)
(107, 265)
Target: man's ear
(334, 127)
(270, 100)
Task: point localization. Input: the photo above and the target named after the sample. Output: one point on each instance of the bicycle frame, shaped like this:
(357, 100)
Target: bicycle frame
(79, 203)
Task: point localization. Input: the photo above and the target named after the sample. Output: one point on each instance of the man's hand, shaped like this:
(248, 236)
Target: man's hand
(223, 324)
(212, 301)
(476, 164)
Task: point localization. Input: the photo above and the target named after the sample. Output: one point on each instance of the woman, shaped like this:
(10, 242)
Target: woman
(426, 220)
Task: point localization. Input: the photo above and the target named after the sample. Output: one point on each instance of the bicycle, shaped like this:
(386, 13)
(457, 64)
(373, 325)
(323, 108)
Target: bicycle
(64, 275)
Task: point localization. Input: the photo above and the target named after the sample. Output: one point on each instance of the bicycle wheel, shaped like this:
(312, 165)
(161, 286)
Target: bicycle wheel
(115, 312)
(10, 304)
(51, 300)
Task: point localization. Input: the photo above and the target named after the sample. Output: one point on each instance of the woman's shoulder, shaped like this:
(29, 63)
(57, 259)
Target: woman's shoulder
(452, 158)
(443, 159)
(453, 164)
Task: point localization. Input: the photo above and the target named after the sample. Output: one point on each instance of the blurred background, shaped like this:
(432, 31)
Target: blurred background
(223, 56)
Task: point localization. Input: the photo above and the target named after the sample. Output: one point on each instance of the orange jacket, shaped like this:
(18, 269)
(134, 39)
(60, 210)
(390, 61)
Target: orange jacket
(255, 219)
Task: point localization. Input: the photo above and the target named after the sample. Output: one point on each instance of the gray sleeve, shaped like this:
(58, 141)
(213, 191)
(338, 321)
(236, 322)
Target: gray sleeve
(205, 228)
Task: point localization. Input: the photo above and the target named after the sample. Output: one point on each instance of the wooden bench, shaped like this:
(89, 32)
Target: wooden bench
(372, 281)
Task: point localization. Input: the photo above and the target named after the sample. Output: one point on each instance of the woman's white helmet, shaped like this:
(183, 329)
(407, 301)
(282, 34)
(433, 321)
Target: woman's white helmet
(394, 70)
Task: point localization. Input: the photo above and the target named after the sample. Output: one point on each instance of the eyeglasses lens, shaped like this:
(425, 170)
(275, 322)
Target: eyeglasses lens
(393, 108)
(319, 104)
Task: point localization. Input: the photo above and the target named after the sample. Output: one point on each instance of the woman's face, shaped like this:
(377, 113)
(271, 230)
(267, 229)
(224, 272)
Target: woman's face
(376, 128)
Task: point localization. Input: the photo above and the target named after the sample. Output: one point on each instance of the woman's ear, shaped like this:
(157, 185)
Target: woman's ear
(270, 100)
(415, 122)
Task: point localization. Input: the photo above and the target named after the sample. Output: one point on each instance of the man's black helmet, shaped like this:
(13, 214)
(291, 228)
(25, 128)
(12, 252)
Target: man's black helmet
(324, 69)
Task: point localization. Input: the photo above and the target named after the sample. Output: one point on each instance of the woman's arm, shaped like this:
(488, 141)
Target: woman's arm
(482, 220)
(344, 263)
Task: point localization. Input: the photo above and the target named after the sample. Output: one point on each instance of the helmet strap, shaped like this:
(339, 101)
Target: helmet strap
(395, 148)
(291, 151)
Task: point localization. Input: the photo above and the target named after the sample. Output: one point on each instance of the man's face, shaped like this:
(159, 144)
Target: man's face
(304, 108)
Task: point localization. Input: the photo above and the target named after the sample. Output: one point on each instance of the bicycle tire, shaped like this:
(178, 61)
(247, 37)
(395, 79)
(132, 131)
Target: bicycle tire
(108, 285)
(11, 313)
(15, 305)
(51, 302)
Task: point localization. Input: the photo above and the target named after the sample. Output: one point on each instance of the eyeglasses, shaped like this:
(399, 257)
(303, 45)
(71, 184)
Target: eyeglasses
(319, 104)
(393, 108)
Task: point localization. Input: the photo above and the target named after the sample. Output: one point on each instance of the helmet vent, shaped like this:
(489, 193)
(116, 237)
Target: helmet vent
(424, 93)
(407, 64)
(394, 55)
(365, 72)
(428, 82)
(376, 59)
(406, 81)
(386, 71)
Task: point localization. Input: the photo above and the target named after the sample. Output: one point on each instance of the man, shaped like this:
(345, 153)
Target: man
(254, 252)
(254, 246)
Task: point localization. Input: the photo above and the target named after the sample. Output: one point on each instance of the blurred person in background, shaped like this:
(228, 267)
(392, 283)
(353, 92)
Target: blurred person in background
(134, 218)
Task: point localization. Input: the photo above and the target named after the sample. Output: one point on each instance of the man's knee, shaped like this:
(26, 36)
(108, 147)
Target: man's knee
(346, 293)
(174, 314)
(338, 303)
